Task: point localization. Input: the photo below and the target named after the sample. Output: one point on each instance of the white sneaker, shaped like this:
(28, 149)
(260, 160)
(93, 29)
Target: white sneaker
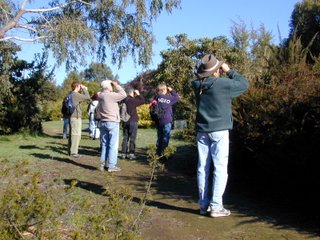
(114, 169)
(132, 156)
(219, 213)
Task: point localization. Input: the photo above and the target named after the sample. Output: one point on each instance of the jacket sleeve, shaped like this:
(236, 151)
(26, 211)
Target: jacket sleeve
(139, 100)
(120, 94)
(238, 83)
(84, 96)
(174, 97)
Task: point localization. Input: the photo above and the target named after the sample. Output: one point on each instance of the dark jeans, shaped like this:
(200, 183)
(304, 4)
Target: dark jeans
(130, 130)
(163, 134)
(66, 122)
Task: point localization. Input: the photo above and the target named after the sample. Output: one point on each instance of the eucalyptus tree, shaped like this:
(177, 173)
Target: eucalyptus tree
(72, 29)
(97, 72)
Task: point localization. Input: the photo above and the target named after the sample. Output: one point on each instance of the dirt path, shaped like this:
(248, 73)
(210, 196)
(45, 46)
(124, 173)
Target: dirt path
(174, 210)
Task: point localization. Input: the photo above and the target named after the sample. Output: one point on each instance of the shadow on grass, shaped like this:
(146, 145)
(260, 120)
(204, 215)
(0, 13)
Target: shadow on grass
(99, 189)
(29, 147)
(91, 187)
(55, 136)
(66, 160)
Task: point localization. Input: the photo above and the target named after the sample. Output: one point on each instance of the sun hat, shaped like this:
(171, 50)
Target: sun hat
(106, 84)
(209, 64)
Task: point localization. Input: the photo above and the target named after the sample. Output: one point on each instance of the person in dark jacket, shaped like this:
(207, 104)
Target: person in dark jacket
(166, 97)
(130, 128)
(214, 94)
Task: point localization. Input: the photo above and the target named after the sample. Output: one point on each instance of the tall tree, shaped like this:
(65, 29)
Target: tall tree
(305, 24)
(30, 91)
(74, 28)
(253, 49)
(97, 72)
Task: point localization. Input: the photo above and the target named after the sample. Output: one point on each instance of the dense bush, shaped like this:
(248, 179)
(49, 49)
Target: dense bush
(278, 126)
(34, 209)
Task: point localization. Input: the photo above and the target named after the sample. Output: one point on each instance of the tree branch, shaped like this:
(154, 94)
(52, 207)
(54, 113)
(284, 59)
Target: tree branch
(22, 39)
(14, 22)
(41, 10)
(26, 27)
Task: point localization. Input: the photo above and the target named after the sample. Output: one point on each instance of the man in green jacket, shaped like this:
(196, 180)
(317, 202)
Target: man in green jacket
(79, 94)
(214, 94)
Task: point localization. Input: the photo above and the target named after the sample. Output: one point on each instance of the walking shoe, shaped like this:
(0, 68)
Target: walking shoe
(101, 168)
(122, 156)
(114, 169)
(76, 155)
(219, 213)
(205, 211)
(132, 156)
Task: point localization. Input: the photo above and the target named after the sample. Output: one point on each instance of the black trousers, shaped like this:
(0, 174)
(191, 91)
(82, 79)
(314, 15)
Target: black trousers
(130, 130)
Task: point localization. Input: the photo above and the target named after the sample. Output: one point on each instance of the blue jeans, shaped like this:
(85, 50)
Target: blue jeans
(109, 139)
(66, 122)
(213, 151)
(163, 139)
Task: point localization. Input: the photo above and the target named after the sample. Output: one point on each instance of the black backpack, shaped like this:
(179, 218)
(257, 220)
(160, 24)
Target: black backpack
(156, 112)
(67, 105)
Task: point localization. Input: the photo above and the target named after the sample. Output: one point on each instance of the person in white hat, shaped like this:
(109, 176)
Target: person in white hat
(213, 122)
(112, 93)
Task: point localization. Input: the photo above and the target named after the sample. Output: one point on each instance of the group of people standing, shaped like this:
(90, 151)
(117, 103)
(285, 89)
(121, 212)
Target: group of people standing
(215, 87)
(106, 103)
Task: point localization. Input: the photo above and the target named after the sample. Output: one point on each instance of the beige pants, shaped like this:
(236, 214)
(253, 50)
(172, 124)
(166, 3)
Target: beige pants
(75, 135)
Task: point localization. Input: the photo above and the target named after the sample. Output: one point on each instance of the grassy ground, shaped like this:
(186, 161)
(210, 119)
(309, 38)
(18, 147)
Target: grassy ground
(173, 209)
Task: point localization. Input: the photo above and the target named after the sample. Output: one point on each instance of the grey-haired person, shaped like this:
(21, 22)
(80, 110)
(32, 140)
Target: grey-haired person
(214, 93)
(112, 93)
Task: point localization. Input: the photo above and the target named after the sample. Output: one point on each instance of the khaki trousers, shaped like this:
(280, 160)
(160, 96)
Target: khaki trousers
(75, 135)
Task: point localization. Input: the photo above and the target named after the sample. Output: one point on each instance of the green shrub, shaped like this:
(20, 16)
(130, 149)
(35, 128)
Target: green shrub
(144, 117)
(278, 124)
(33, 209)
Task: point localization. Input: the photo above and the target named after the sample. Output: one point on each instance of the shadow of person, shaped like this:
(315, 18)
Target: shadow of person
(100, 190)
(91, 187)
(66, 160)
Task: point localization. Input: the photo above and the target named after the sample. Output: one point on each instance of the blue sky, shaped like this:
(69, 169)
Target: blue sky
(198, 19)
